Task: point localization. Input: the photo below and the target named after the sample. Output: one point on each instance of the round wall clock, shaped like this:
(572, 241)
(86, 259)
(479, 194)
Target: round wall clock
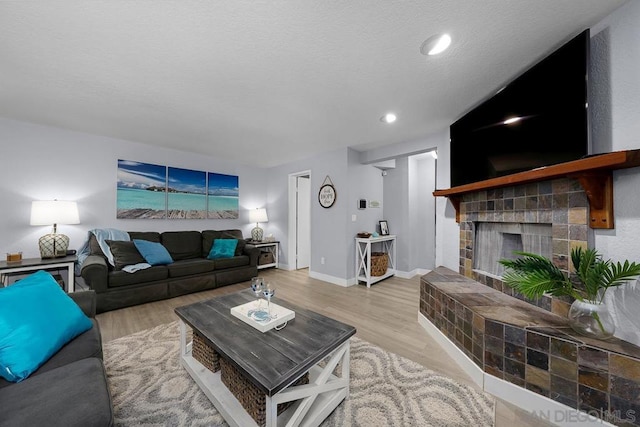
(327, 194)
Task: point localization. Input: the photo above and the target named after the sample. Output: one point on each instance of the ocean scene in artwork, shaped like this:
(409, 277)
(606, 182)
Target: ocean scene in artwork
(151, 191)
(187, 193)
(131, 198)
(141, 190)
(223, 193)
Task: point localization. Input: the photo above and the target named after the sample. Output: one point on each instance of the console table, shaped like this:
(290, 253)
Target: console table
(363, 258)
(35, 264)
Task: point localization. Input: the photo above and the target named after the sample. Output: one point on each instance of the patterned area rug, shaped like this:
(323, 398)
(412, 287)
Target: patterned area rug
(150, 387)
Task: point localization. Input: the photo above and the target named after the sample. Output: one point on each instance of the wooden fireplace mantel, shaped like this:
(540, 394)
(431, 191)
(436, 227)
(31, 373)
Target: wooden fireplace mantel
(595, 174)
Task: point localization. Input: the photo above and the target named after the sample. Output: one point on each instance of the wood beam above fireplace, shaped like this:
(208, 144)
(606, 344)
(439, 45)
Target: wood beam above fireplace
(595, 174)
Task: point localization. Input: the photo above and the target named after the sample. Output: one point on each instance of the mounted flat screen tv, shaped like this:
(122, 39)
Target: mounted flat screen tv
(539, 119)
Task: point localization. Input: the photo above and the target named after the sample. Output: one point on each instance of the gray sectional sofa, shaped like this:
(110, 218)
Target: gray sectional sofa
(190, 272)
(70, 389)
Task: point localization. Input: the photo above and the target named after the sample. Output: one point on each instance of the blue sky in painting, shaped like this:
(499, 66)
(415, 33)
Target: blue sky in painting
(188, 180)
(223, 185)
(140, 175)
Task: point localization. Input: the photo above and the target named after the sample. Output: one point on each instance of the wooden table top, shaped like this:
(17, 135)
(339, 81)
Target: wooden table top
(36, 262)
(273, 359)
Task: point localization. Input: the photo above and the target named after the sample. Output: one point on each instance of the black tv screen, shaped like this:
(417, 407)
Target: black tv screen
(539, 119)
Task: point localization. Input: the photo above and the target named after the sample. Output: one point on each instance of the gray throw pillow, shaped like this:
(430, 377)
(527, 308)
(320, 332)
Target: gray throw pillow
(124, 253)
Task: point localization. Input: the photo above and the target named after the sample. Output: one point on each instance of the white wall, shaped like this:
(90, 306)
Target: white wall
(328, 226)
(615, 107)
(410, 210)
(364, 182)
(44, 163)
(396, 211)
(423, 212)
(446, 229)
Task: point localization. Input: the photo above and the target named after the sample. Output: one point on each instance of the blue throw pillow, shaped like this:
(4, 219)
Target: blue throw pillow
(152, 252)
(36, 320)
(223, 248)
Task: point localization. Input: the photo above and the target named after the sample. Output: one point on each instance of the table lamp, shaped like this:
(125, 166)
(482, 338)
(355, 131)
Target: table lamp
(54, 212)
(258, 215)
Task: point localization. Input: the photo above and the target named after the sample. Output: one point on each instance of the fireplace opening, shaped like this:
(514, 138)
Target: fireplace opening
(496, 240)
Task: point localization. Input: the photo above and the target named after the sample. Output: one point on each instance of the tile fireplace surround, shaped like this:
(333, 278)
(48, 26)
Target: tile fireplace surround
(528, 343)
(561, 203)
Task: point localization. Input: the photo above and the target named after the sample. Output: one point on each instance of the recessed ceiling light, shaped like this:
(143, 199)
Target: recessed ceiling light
(388, 118)
(435, 44)
(512, 120)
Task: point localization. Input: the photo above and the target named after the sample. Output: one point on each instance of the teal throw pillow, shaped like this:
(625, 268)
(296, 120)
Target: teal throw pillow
(154, 253)
(223, 248)
(36, 320)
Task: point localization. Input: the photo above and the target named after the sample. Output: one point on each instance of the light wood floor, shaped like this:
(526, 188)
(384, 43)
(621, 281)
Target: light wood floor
(385, 314)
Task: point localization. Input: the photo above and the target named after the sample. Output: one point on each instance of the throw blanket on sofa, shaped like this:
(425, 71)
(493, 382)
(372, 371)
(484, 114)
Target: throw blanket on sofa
(136, 267)
(102, 235)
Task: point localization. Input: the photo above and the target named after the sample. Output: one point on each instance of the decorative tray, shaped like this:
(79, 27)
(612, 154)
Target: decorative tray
(257, 316)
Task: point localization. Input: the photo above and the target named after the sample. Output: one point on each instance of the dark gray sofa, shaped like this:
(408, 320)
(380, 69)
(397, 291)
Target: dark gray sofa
(190, 272)
(70, 389)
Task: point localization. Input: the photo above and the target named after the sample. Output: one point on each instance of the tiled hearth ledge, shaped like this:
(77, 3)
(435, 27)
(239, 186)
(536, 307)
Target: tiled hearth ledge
(530, 357)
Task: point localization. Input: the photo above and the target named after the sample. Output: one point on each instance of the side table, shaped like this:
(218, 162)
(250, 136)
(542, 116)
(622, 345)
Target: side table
(271, 247)
(35, 264)
(363, 258)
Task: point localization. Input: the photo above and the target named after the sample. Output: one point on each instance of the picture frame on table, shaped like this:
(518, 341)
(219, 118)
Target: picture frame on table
(384, 228)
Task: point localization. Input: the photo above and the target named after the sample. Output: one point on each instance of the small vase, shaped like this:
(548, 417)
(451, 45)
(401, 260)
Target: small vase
(591, 319)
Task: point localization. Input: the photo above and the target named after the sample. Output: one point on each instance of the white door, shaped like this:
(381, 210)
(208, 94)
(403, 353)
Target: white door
(303, 222)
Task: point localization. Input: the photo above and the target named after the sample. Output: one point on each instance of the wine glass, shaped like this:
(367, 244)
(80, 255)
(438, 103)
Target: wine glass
(269, 291)
(257, 286)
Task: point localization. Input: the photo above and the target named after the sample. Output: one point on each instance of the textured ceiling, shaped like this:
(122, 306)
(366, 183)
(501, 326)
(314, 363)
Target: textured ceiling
(279, 80)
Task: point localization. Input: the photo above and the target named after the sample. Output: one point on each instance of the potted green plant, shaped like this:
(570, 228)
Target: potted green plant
(534, 275)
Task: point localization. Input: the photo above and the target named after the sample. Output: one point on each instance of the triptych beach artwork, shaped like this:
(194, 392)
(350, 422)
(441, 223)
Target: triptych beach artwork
(155, 192)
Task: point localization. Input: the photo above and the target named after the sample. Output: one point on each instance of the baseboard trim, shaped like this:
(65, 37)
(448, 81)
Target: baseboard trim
(542, 407)
(332, 279)
(353, 281)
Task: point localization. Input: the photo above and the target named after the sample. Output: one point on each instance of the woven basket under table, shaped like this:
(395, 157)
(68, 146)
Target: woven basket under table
(250, 397)
(379, 263)
(204, 354)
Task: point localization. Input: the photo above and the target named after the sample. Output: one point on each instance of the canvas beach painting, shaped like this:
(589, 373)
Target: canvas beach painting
(141, 190)
(149, 191)
(223, 196)
(186, 194)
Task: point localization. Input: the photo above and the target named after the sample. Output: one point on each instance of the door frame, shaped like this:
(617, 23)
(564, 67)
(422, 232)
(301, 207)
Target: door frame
(292, 232)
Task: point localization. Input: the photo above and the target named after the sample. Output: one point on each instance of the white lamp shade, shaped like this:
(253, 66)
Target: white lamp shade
(258, 215)
(50, 212)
